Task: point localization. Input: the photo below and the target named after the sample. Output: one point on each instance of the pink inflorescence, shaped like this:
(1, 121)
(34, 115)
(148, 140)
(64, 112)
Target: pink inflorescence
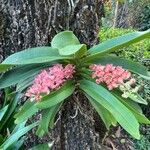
(111, 75)
(50, 79)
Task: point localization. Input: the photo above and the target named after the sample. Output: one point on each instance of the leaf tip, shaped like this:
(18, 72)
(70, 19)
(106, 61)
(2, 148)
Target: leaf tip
(16, 121)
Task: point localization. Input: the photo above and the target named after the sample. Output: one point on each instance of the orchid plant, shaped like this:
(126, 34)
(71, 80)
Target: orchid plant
(47, 76)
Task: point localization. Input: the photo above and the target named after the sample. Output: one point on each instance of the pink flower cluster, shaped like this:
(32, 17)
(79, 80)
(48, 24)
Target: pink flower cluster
(50, 79)
(111, 75)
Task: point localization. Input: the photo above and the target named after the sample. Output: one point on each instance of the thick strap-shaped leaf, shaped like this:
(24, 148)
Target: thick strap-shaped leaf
(33, 56)
(23, 84)
(117, 43)
(27, 110)
(17, 74)
(73, 49)
(57, 96)
(137, 98)
(11, 108)
(19, 127)
(105, 115)
(134, 107)
(17, 145)
(3, 111)
(127, 64)
(63, 39)
(14, 137)
(120, 112)
(48, 116)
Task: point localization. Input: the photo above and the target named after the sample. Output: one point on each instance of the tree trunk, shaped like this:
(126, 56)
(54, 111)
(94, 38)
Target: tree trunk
(30, 23)
(116, 14)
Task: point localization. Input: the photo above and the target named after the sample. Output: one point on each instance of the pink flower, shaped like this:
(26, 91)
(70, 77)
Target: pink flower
(111, 75)
(50, 79)
(69, 70)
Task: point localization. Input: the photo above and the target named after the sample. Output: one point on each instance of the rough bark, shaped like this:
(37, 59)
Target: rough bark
(30, 23)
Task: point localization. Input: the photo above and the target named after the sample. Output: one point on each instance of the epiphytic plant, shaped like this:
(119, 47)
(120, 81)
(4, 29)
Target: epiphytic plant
(48, 75)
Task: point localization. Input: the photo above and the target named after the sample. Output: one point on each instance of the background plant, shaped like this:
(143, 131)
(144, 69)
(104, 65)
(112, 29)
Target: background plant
(21, 68)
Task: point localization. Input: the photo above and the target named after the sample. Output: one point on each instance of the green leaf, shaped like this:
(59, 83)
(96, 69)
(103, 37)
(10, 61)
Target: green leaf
(48, 116)
(23, 84)
(33, 56)
(131, 103)
(57, 96)
(1, 139)
(17, 145)
(126, 64)
(120, 112)
(63, 39)
(10, 110)
(27, 110)
(105, 115)
(73, 49)
(5, 67)
(134, 107)
(117, 43)
(19, 127)
(17, 74)
(3, 111)
(146, 77)
(45, 146)
(14, 137)
(137, 98)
